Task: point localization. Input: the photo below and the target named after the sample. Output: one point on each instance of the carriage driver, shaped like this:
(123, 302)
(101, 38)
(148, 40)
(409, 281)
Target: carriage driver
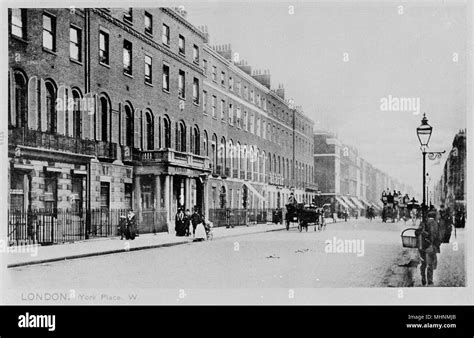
(292, 199)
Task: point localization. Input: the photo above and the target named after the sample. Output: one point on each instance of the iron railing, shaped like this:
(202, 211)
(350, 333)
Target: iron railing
(48, 227)
(236, 217)
(39, 139)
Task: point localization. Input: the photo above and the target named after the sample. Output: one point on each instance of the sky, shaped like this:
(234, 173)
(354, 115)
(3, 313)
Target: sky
(341, 60)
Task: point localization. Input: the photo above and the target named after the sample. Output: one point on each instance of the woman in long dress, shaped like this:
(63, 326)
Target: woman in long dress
(200, 234)
(198, 223)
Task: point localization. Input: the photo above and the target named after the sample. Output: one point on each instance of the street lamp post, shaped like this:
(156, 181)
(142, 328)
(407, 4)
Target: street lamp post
(424, 134)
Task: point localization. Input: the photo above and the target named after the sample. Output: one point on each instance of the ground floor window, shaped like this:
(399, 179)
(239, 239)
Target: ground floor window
(104, 195)
(147, 192)
(77, 194)
(128, 191)
(17, 190)
(51, 192)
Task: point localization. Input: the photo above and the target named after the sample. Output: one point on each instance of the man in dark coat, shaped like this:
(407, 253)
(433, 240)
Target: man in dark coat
(429, 246)
(180, 223)
(196, 218)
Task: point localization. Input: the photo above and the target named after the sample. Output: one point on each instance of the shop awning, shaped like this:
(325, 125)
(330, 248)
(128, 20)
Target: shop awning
(375, 206)
(348, 202)
(357, 202)
(341, 202)
(254, 191)
(367, 204)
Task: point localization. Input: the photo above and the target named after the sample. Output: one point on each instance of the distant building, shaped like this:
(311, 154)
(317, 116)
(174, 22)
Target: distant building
(451, 188)
(345, 179)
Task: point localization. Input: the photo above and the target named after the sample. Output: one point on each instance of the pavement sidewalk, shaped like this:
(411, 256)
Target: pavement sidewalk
(36, 254)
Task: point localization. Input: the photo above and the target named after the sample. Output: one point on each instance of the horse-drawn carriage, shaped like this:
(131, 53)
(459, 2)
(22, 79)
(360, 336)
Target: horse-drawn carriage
(304, 215)
(389, 211)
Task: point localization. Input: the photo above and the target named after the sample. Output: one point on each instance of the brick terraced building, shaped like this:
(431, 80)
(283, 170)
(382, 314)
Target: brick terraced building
(111, 109)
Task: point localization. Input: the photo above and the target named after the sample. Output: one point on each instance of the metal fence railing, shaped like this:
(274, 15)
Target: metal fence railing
(235, 217)
(48, 227)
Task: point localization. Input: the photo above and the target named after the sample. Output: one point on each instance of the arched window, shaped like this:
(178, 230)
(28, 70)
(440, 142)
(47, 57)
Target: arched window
(249, 161)
(167, 131)
(196, 140)
(270, 162)
(283, 167)
(128, 126)
(150, 131)
(51, 107)
(230, 156)
(181, 136)
(214, 152)
(205, 141)
(222, 153)
(76, 114)
(21, 108)
(236, 160)
(104, 114)
(243, 160)
(256, 167)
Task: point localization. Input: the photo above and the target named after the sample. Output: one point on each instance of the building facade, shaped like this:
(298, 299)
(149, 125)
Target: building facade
(345, 179)
(450, 189)
(132, 108)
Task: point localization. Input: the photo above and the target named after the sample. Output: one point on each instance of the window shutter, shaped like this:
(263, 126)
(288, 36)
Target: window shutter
(115, 126)
(144, 132)
(87, 117)
(136, 127)
(98, 119)
(191, 138)
(11, 83)
(61, 110)
(156, 127)
(177, 138)
(33, 103)
(44, 117)
(122, 124)
(70, 114)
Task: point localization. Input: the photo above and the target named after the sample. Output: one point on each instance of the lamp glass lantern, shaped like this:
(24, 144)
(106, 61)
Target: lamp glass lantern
(424, 132)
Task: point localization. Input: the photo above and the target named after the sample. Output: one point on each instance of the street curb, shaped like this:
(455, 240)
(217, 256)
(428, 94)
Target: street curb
(108, 252)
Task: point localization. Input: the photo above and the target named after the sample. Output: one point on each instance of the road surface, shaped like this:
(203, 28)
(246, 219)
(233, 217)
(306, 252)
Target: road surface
(346, 255)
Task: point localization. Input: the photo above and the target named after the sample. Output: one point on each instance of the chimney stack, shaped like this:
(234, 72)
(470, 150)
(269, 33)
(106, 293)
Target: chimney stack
(280, 91)
(245, 67)
(203, 29)
(181, 11)
(224, 50)
(263, 78)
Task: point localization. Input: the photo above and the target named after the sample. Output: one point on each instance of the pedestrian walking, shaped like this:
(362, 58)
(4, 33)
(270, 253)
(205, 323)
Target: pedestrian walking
(430, 242)
(132, 224)
(196, 218)
(180, 223)
(187, 222)
(413, 216)
(199, 231)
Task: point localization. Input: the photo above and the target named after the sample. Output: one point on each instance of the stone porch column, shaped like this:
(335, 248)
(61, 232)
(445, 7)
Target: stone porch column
(167, 201)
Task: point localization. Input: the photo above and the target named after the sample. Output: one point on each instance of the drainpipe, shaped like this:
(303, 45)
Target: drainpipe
(87, 90)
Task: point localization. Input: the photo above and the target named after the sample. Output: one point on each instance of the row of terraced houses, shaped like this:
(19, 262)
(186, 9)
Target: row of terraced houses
(112, 109)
